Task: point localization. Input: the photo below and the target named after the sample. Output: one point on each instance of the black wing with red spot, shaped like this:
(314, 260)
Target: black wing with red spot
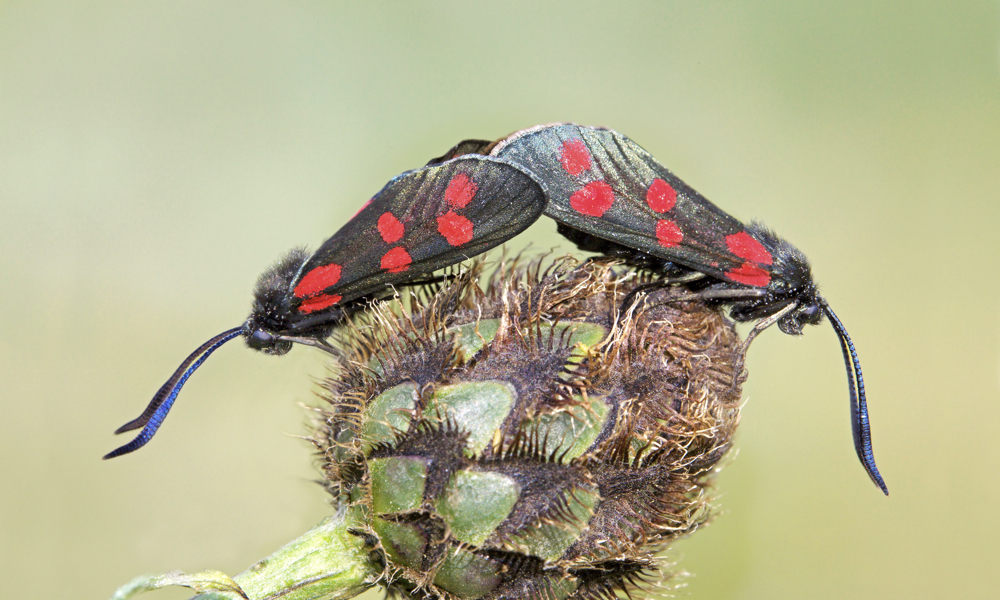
(421, 221)
(604, 184)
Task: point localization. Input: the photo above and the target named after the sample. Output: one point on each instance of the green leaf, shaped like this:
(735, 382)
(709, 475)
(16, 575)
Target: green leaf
(387, 413)
(574, 429)
(219, 585)
(397, 483)
(467, 575)
(549, 540)
(471, 338)
(328, 562)
(479, 408)
(475, 502)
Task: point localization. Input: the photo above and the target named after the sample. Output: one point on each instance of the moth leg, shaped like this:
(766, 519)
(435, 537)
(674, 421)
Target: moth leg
(728, 294)
(630, 298)
(322, 344)
(757, 329)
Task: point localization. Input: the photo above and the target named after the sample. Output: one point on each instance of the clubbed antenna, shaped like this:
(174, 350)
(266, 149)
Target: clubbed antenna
(859, 405)
(157, 409)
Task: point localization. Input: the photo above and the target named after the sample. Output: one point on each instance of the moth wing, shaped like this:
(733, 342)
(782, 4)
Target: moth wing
(571, 160)
(462, 148)
(421, 221)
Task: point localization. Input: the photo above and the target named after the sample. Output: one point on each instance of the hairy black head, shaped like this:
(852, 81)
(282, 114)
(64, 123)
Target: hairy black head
(271, 315)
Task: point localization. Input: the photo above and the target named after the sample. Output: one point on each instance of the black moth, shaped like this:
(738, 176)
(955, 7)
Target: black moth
(421, 221)
(610, 196)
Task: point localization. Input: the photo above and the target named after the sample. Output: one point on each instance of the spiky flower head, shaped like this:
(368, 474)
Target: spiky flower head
(529, 440)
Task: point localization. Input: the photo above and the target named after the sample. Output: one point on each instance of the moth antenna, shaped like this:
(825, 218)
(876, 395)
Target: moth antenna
(164, 390)
(159, 406)
(859, 405)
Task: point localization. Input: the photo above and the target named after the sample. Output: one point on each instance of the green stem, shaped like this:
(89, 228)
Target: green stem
(327, 562)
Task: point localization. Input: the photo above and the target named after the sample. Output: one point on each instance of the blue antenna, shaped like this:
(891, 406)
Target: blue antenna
(859, 406)
(151, 418)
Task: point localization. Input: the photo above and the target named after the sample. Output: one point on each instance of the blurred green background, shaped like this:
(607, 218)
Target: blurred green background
(155, 157)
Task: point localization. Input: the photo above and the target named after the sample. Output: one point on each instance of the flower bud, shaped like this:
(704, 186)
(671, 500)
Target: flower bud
(530, 440)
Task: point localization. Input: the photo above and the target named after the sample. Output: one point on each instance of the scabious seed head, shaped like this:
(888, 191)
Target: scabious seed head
(528, 440)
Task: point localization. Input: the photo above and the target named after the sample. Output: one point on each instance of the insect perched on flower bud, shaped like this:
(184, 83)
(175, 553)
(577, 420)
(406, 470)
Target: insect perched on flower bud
(421, 221)
(510, 436)
(610, 196)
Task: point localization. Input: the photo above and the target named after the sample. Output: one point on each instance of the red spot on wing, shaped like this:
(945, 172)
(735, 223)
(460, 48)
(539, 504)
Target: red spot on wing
(575, 158)
(660, 196)
(593, 200)
(668, 233)
(396, 260)
(318, 280)
(455, 228)
(319, 303)
(743, 245)
(749, 274)
(389, 227)
(461, 190)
